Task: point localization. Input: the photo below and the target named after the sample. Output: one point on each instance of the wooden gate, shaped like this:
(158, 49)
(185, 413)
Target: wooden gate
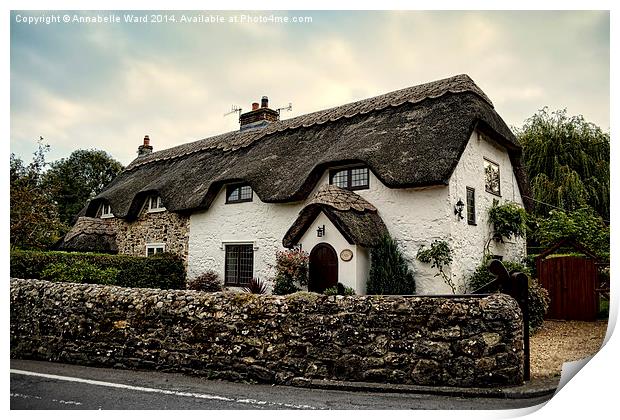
(572, 283)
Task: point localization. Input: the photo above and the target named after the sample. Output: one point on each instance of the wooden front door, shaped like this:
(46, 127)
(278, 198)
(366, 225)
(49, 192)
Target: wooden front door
(323, 268)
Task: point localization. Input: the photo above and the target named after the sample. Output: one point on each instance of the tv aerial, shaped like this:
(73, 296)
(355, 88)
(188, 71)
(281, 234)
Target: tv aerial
(286, 108)
(234, 109)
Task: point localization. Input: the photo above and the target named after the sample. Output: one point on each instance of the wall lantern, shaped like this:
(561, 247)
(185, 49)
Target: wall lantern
(320, 232)
(458, 209)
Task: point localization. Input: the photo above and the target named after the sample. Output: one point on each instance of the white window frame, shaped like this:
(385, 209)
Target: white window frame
(155, 246)
(157, 207)
(106, 211)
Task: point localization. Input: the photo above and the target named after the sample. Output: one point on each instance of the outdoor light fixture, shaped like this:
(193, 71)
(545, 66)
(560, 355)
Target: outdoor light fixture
(320, 231)
(458, 209)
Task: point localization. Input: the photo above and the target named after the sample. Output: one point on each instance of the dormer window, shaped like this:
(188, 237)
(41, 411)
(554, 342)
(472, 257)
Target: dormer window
(350, 178)
(240, 193)
(106, 211)
(154, 204)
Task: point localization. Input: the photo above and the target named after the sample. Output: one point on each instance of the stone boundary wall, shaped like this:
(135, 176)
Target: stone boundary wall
(460, 341)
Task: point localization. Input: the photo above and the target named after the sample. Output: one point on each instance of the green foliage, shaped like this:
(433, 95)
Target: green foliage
(538, 297)
(339, 290)
(35, 223)
(74, 180)
(209, 281)
(439, 256)
(482, 276)
(567, 162)
(389, 270)
(538, 304)
(256, 286)
(291, 271)
(162, 271)
(79, 272)
(582, 225)
(508, 220)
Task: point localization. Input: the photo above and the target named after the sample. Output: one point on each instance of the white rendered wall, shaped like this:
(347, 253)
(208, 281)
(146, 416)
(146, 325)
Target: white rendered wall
(413, 216)
(467, 241)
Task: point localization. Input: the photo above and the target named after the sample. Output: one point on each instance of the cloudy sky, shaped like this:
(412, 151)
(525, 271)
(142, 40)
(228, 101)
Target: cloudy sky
(105, 86)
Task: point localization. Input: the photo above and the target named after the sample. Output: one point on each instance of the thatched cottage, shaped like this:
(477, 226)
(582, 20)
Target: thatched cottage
(421, 163)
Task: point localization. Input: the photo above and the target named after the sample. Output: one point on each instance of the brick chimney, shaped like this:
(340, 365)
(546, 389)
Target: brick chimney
(258, 117)
(145, 148)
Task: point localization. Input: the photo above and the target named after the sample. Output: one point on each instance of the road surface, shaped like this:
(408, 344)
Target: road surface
(39, 385)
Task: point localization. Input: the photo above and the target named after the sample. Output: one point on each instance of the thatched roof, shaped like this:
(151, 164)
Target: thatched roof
(353, 216)
(408, 138)
(90, 234)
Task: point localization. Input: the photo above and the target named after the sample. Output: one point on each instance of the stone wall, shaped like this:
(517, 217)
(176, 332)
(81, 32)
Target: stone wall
(165, 227)
(458, 341)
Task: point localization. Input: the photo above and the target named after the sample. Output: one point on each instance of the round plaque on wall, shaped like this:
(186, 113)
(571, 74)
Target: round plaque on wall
(346, 255)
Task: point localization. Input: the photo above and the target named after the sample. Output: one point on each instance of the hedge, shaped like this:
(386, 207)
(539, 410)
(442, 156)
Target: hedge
(161, 271)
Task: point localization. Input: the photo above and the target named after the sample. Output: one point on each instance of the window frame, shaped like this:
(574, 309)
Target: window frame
(103, 214)
(349, 170)
(236, 282)
(159, 206)
(499, 178)
(230, 188)
(471, 216)
(155, 246)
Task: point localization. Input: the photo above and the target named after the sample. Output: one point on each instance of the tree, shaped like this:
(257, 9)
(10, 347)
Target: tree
(389, 271)
(583, 226)
(34, 214)
(78, 178)
(567, 161)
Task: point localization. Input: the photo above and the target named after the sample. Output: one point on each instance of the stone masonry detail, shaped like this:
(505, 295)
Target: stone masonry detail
(458, 341)
(157, 227)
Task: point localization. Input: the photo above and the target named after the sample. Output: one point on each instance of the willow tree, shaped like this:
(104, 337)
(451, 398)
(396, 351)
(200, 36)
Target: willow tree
(567, 161)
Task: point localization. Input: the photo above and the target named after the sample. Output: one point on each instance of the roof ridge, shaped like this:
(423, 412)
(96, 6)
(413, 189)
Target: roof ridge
(234, 140)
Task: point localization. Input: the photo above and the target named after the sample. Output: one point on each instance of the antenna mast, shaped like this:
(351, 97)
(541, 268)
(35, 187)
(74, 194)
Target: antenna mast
(234, 109)
(286, 108)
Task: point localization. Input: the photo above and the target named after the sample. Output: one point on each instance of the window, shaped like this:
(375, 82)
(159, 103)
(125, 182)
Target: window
(491, 177)
(238, 193)
(350, 179)
(471, 206)
(156, 248)
(106, 211)
(239, 264)
(155, 205)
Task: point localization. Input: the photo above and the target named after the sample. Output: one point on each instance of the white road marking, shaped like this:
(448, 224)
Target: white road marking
(36, 397)
(161, 391)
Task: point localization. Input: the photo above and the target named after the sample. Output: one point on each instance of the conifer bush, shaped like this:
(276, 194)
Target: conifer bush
(389, 270)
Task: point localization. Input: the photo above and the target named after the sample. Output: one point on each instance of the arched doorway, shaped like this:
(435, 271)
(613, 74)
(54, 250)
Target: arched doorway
(323, 268)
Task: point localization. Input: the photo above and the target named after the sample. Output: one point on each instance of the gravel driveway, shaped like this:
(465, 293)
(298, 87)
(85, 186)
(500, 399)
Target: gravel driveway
(563, 341)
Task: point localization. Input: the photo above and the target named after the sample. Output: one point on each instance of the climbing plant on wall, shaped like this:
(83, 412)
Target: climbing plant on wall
(508, 220)
(439, 255)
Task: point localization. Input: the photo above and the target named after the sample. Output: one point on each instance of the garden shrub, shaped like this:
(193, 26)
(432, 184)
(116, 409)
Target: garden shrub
(538, 297)
(160, 271)
(209, 281)
(389, 270)
(291, 271)
(256, 286)
(79, 272)
(339, 289)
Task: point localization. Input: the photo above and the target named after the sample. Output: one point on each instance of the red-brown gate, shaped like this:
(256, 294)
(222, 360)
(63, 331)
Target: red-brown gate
(571, 282)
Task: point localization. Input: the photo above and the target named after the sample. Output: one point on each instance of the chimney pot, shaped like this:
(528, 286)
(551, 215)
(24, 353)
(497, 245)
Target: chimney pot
(145, 148)
(264, 102)
(254, 106)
